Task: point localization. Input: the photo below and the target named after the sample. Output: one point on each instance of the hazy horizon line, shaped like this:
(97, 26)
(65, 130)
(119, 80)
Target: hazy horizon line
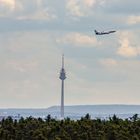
(71, 106)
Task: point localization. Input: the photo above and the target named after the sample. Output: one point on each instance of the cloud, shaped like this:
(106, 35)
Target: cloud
(22, 66)
(25, 10)
(73, 8)
(78, 40)
(109, 62)
(126, 49)
(125, 7)
(89, 3)
(10, 4)
(31, 58)
(133, 20)
(7, 7)
(38, 15)
(36, 10)
(80, 8)
(30, 64)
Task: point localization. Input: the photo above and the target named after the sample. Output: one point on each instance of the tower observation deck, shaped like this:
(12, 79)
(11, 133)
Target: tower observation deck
(62, 77)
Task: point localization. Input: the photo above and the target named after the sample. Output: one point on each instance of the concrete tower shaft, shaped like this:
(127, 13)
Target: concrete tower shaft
(62, 77)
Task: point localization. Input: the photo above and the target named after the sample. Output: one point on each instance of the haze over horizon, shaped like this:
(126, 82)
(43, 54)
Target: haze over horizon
(100, 69)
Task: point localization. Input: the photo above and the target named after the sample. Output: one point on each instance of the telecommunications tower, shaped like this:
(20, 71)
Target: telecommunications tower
(62, 77)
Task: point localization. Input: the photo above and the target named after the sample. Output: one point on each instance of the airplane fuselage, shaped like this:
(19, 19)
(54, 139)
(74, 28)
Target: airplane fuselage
(103, 33)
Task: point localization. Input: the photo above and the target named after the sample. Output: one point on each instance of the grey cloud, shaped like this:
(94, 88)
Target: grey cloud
(125, 7)
(35, 41)
(101, 17)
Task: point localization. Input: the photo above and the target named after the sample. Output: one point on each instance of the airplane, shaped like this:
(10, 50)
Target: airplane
(103, 33)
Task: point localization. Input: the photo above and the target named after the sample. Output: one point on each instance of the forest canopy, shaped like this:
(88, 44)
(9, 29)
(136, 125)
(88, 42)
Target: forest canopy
(86, 128)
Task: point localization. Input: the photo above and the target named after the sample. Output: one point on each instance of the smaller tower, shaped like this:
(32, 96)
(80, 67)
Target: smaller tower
(62, 77)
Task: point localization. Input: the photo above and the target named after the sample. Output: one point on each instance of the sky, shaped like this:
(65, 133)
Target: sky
(100, 69)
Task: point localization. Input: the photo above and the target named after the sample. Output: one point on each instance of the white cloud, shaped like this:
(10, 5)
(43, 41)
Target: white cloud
(78, 40)
(39, 11)
(10, 8)
(24, 10)
(7, 4)
(80, 7)
(109, 62)
(89, 3)
(133, 20)
(39, 3)
(22, 66)
(38, 15)
(30, 61)
(126, 49)
(7, 7)
(73, 8)
(30, 69)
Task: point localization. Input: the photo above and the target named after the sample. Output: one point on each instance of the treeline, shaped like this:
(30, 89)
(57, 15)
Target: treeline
(84, 129)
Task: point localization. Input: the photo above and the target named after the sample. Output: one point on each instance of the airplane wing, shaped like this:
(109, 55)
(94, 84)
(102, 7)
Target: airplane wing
(112, 31)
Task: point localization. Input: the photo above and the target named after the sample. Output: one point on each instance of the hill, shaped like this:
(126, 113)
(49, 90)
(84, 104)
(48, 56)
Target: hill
(102, 111)
(76, 111)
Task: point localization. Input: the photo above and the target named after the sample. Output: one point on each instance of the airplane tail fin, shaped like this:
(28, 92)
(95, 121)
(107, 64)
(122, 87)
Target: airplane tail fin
(95, 31)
